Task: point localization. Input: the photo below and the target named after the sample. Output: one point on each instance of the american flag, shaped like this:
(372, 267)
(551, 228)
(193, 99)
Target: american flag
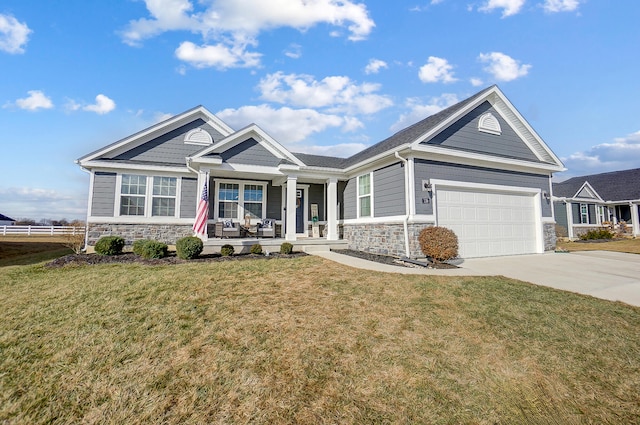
(200, 225)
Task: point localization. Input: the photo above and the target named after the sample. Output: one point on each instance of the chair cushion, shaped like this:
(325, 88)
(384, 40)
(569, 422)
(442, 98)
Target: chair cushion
(267, 223)
(228, 224)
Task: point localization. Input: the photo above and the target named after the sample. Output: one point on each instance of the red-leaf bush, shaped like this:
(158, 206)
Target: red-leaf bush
(438, 243)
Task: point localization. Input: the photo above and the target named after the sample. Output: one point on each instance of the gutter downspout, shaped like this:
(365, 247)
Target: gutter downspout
(406, 204)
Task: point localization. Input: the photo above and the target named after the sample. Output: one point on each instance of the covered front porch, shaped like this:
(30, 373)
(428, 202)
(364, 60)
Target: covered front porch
(272, 245)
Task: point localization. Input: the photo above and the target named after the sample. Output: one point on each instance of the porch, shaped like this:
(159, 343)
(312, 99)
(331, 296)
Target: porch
(243, 245)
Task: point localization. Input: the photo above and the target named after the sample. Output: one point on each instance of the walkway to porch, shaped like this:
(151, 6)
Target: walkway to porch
(243, 245)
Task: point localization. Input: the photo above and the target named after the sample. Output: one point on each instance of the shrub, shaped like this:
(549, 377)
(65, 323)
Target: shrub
(154, 249)
(227, 250)
(286, 248)
(75, 239)
(189, 247)
(597, 234)
(256, 249)
(438, 243)
(109, 245)
(138, 246)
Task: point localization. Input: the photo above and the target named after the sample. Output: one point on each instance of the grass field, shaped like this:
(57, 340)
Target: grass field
(622, 245)
(307, 341)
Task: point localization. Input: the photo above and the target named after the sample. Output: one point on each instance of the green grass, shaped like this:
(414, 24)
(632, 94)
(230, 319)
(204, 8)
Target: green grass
(631, 246)
(22, 250)
(307, 341)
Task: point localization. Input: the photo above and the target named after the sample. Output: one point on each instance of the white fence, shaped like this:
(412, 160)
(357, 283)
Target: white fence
(41, 230)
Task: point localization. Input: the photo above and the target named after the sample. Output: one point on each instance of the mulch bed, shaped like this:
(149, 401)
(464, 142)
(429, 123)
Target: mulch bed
(393, 261)
(172, 258)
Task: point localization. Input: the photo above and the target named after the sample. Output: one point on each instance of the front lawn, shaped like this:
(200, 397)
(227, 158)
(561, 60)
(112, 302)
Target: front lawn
(618, 245)
(307, 341)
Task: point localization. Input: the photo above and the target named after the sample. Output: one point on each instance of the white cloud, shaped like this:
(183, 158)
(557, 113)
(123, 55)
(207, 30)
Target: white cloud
(620, 154)
(38, 204)
(234, 24)
(218, 56)
(436, 69)
(36, 100)
(553, 6)
(475, 82)
(509, 7)
(338, 93)
(294, 51)
(341, 150)
(13, 34)
(503, 67)
(286, 125)
(103, 105)
(374, 66)
(419, 111)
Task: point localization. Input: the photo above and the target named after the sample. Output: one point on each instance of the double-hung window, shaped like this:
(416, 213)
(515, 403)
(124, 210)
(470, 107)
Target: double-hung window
(253, 198)
(133, 194)
(228, 197)
(236, 199)
(164, 197)
(584, 214)
(139, 198)
(364, 195)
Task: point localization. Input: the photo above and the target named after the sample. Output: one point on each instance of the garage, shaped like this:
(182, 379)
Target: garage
(489, 223)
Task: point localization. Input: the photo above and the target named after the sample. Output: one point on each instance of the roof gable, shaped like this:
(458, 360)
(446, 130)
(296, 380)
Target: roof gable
(152, 137)
(247, 143)
(412, 137)
(468, 133)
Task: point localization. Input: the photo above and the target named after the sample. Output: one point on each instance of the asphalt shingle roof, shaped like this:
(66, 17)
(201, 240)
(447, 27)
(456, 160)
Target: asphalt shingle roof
(612, 186)
(5, 218)
(320, 160)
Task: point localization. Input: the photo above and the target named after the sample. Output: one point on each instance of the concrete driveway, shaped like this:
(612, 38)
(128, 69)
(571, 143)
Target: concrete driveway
(609, 275)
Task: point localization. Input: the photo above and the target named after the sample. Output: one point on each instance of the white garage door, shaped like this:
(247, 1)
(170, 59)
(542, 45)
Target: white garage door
(488, 223)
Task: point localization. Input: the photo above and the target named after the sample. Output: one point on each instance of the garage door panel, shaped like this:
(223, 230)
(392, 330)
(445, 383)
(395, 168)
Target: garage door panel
(488, 223)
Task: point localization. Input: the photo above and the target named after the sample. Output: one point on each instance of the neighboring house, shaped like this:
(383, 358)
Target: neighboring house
(476, 167)
(588, 202)
(6, 221)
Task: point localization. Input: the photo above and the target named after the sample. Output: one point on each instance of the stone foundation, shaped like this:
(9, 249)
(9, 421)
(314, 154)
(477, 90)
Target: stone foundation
(550, 237)
(167, 233)
(386, 239)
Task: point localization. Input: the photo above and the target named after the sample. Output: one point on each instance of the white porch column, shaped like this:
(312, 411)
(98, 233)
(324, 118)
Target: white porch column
(569, 219)
(290, 225)
(635, 219)
(332, 209)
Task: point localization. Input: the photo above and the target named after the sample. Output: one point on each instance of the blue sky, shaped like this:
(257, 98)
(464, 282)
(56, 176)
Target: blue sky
(321, 76)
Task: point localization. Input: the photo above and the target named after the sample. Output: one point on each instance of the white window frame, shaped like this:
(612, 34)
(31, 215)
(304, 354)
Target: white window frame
(360, 196)
(241, 210)
(601, 214)
(584, 214)
(148, 196)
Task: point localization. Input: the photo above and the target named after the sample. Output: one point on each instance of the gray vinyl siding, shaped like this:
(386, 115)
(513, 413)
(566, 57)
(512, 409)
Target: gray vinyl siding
(465, 173)
(350, 200)
(464, 135)
(592, 213)
(584, 193)
(189, 197)
(575, 212)
(316, 196)
(274, 202)
(170, 147)
(389, 191)
(560, 211)
(341, 187)
(104, 193)
(250, 152)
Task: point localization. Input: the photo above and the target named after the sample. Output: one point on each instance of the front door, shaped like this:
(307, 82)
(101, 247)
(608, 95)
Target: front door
(299, 210)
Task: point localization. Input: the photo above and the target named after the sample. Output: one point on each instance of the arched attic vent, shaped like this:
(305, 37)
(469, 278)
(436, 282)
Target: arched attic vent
(489, 124)
(198, 136)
